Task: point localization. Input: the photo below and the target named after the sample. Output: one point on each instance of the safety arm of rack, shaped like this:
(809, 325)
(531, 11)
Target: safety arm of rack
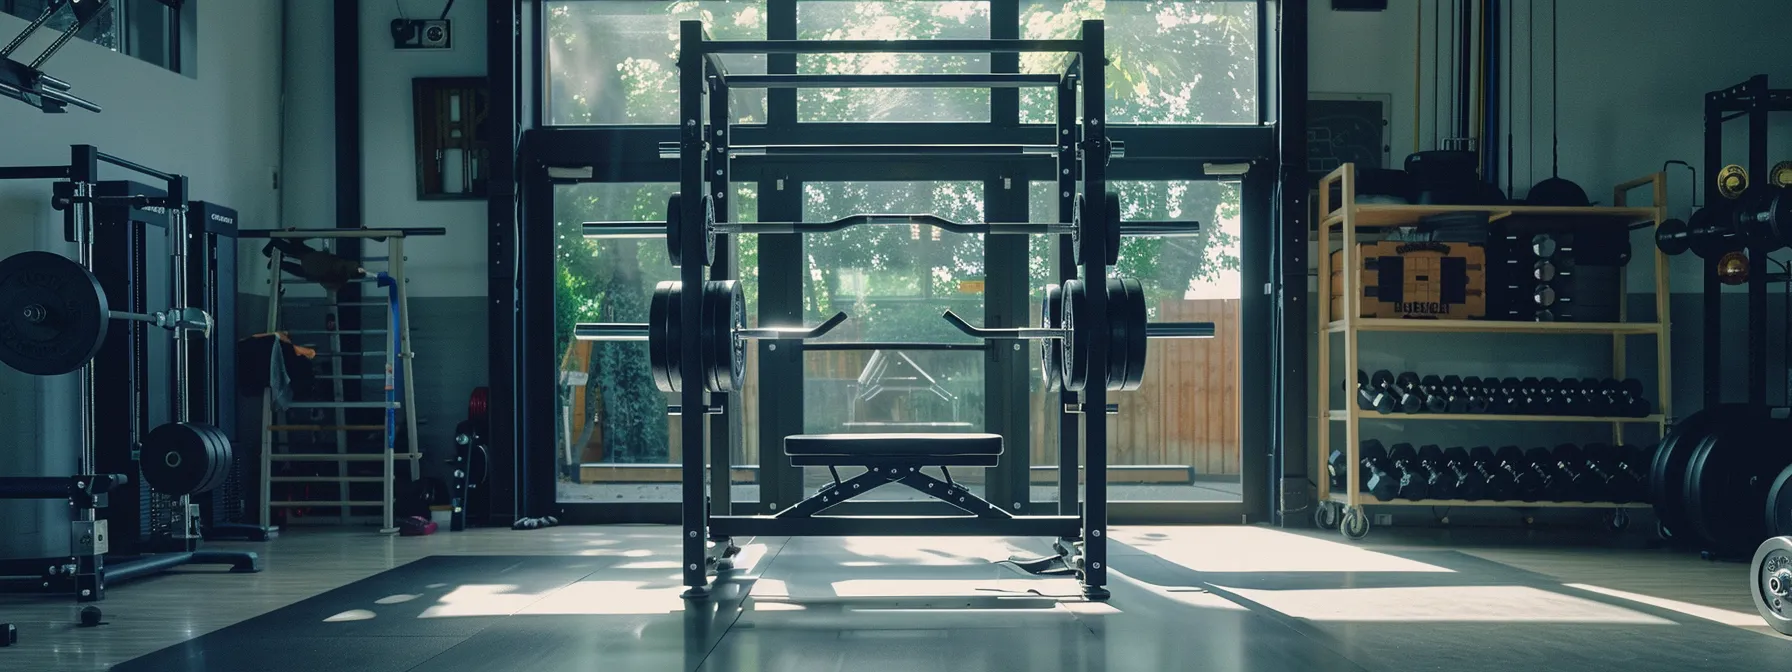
(980, 332)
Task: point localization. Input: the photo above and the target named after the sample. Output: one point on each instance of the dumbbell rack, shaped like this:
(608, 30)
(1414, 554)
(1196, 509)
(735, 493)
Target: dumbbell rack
(1344, 223)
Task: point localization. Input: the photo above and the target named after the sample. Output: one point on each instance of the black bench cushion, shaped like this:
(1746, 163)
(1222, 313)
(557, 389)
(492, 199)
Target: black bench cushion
(893, 445)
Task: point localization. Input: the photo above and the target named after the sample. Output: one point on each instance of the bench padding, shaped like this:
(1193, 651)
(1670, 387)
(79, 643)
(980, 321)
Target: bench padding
(893, 445)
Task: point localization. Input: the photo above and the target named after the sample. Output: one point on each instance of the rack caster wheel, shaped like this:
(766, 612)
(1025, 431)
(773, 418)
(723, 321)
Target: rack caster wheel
(1617, 521)
(1354, 524)
(1325, 515)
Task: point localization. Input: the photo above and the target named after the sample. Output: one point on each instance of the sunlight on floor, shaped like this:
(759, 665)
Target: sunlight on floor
(1724, 616)
(910, 551)
(611, 597)
(480, 599)
(1445, 604)
(1260, 550)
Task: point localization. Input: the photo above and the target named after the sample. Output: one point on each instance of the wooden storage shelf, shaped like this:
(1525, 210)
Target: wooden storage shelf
(1345, 223)
(1492, 326)
(1339, 416)
(1342, 498)
(1381, 215)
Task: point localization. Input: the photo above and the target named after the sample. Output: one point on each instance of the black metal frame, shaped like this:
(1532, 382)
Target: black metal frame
(1274, 426)
(120, 214)
(1755, 101)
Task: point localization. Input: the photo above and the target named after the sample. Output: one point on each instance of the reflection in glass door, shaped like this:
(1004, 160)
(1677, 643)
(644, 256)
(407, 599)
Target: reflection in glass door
(894, 282)
(1177, 437)
(614, 441)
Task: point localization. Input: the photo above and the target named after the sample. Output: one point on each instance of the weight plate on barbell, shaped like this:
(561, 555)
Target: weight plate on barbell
(1134, 334)
(1089, 246)
(1732, 181)
(1076, 230)
(178, 458)
(724, 315)
(1779, 504)
(221, 454)
(1111, 204)
(675, 229)
(1727, 481)
(53, 314)
(1781, 175)
(663, 317)
(1119, 347)
(1051, 350)
(1076, 337)
(1667, 472)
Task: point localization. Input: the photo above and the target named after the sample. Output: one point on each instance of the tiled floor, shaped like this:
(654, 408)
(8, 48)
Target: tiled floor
(1207, 598)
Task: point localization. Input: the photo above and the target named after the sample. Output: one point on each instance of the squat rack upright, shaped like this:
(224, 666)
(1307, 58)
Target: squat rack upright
(704, 151)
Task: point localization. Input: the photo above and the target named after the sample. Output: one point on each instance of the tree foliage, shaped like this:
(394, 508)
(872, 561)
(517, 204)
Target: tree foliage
(1170, 62)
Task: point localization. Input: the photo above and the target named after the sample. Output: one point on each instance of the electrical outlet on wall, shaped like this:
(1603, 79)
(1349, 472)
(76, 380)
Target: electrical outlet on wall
(422, 34)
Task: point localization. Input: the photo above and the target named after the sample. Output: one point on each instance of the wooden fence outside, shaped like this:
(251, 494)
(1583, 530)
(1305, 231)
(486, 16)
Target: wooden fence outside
(1186, 413)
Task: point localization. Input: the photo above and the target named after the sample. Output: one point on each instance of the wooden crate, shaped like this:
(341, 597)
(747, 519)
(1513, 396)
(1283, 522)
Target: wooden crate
(1416, 280)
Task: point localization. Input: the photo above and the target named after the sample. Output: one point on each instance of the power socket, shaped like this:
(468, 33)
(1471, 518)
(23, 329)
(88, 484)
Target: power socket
(422, 34)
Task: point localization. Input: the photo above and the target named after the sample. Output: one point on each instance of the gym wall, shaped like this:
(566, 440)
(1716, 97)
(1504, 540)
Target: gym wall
(447, 273)
(1634, 74)
(221, 127)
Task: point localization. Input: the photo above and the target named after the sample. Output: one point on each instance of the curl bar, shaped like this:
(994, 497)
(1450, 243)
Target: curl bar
(1065, 356)
(670, 150)
(723, 334)
(1074, 228)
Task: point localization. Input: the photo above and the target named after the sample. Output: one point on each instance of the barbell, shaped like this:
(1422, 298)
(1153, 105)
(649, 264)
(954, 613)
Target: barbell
(54, 314)
(1107, 247)
(1064, 355)
(1762, 215)
(723, 333)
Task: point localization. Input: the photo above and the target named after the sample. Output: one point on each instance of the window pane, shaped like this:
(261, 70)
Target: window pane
(102, 30)
(894, 282)
(616, 62)
(892, 20)
(615, 441)
(1176, 437)
(1170, 61)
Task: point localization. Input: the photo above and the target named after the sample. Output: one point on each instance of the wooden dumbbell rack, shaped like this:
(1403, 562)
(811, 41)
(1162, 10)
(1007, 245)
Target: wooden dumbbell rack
(1344, 223)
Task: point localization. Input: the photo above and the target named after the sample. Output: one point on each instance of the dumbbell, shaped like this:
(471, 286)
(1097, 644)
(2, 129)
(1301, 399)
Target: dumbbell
(1441, 480)
(1471, 484)
(1553, 483)
(1399, 476)
(1512, 391)
(1455, 396)
(1630, 399)
(1607, 463)
(1530, 394)
(1378, 471)
(1527, 484)
(1365, 397)
(1638, 462)
(1548, 394)
(1591, 399)
(1337, 467)
(1584, 483)
(1407, 398)
(1431, 394)
(1474, 397)
(1499, 484)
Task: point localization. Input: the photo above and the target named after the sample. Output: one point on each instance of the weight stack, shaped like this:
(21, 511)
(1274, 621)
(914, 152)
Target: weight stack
(1551, 269)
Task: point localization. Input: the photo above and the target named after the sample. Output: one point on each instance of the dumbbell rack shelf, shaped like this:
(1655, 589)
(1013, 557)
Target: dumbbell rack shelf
(1344, 416)
(1345, 222)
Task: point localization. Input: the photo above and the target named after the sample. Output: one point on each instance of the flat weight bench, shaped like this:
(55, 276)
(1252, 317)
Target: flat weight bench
(894, 458)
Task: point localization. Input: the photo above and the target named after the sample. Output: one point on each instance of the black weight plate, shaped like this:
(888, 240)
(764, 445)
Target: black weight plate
(1667, 472)
(219, 457)
(709, 230)
(1119, 349)
(1779, 505)
(1728, 479)
(1135, 334)
(1091, 242)
(1051, 350)
(176, 458)
(675, 229)
(1076, 230)
(1076, 337)
(663, 317)
(729, 346)
(717, 335)
(1111, 203)
(53, 314)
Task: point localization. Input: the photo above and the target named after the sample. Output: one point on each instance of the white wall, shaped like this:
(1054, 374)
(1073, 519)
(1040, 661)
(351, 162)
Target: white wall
(1634, 74)
(221, 128)
(449, 266)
